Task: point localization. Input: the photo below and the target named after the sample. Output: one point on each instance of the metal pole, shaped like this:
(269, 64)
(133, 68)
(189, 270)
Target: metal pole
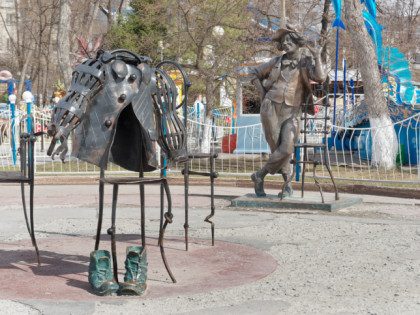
(344, 96)
(28, 111)
(13, 116)
(335, 82)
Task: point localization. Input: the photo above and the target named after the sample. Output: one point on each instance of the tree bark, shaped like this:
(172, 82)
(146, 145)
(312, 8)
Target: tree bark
(210, 98)
(47, 70)
(63, 41)
(22, 76)
(384, 141)
(324, 30)
(92, 18)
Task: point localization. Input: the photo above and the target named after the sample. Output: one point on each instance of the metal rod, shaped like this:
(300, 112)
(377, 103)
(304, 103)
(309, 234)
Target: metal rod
(212, 207)
(112, 231)
(168, 219)
(186, 192)
(31, 214)
(336, 68)
(101, 208)
(142, 209)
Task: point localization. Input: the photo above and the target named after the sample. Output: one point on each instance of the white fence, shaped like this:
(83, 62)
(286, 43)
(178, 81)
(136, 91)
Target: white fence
(349, 151)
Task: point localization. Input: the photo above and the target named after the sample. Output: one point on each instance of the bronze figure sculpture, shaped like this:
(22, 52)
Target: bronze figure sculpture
(284, 84)
(119, 107)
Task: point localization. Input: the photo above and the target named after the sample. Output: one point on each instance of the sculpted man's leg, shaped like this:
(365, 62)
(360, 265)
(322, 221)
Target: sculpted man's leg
(293, 128)
(271, 127)
(271, 123)
(258, 179)
(288, 191)
(280, 159)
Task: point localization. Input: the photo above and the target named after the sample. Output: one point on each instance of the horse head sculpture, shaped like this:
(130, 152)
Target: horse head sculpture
(119, 107)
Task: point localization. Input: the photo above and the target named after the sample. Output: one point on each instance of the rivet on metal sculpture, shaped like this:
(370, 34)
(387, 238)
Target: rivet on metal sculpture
(284, 84)
(118, 107)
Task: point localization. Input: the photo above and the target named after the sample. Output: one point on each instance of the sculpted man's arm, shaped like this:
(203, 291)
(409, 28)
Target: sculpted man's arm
(259, 73)
(318, 72)
(260, 88)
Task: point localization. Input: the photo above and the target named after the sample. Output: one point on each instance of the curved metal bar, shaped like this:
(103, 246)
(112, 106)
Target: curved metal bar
(168, 219)
(187, 84)
(213, 175)
(22, 186)
(31, 215)
(317, 182)
(141, 59)
(172, 134)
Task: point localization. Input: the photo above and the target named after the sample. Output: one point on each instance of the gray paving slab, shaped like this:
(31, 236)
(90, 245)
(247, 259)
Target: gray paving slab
(360, 260)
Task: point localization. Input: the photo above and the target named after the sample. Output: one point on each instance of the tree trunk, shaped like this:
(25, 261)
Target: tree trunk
(384, 141)
(63, 41)
(18, 43)
(207, 130)
(92, 19)
(22, 76)
(324, 30)
(47, 66)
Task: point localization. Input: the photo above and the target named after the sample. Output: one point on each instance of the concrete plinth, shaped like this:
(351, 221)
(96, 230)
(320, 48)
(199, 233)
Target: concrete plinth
(296, 203)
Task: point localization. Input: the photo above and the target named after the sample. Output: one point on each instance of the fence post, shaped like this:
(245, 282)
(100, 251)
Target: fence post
(12, 101)
(28, 97)
(297, 157)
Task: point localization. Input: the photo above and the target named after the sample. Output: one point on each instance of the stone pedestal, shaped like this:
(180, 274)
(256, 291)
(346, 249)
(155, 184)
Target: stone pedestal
(296, 203)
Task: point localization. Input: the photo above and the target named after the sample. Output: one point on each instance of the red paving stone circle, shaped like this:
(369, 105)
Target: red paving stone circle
(63, 275)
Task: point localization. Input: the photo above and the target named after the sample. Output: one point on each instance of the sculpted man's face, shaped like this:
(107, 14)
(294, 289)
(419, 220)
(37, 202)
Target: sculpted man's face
(288, 44)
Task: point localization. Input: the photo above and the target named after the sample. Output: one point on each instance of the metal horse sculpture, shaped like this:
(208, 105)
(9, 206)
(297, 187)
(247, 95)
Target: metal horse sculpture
(119, 108)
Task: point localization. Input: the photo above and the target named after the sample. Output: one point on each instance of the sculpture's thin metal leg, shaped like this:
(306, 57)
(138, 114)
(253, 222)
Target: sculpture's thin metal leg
(186, 192)
(207, 219)
(101, 208)
(142, 213)
(31, 214)
(168, 219)
(317, 182)
(111, 231)
(22, 186)
(162, 203)
(305, 158)
(332, 179)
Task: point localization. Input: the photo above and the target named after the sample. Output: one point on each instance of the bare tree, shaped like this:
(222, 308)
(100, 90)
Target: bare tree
(210, 38)
(63, 41)
(384, 146)
(91, 21)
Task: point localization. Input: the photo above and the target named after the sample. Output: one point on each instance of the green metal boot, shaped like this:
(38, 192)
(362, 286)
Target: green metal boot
(136, 272)
(101, 278)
